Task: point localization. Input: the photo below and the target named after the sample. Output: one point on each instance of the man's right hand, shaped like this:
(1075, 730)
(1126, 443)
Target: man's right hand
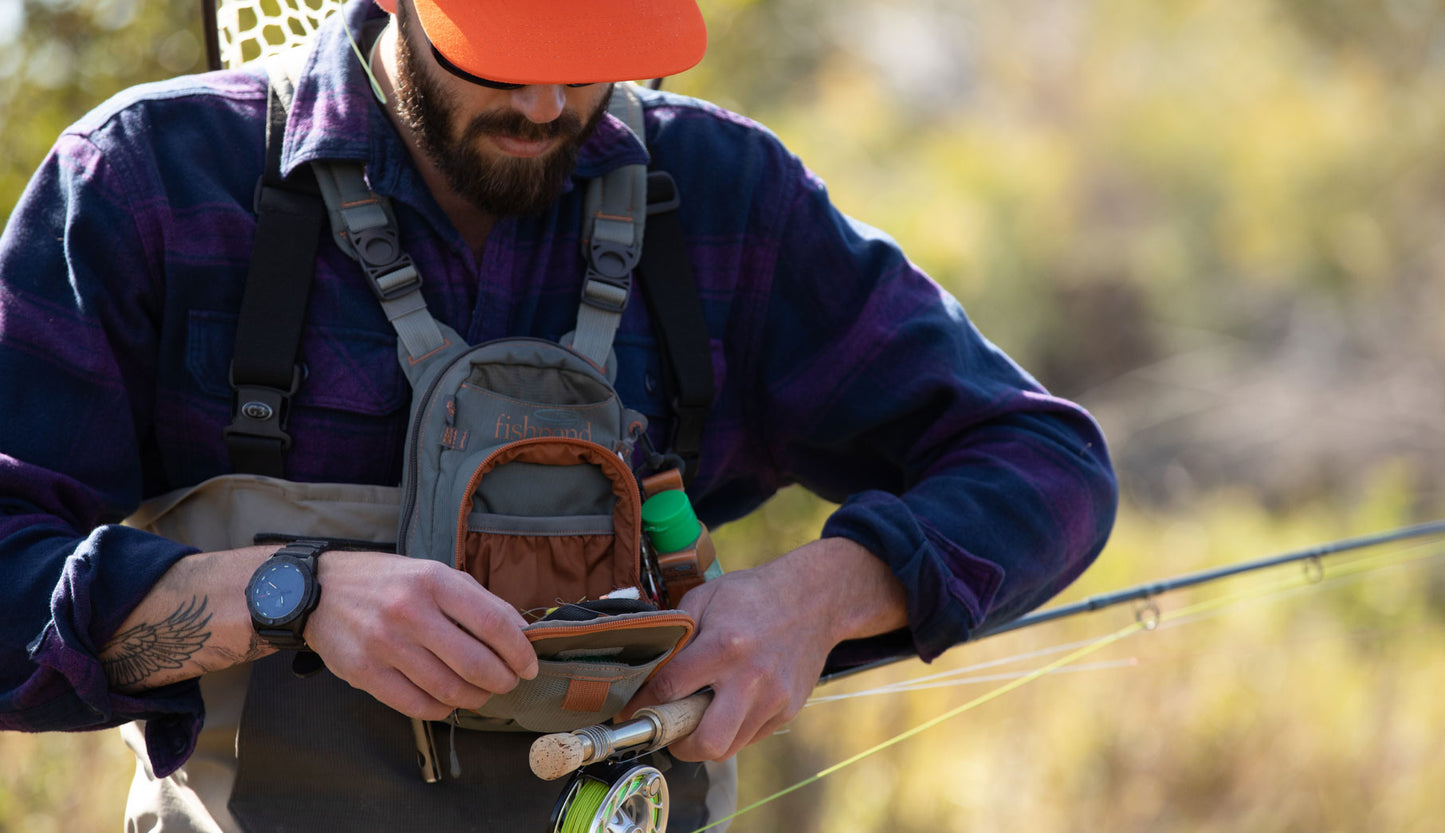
(421, 637)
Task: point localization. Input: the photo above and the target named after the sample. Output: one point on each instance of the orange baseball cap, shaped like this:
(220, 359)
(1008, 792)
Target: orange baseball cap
(565, 41)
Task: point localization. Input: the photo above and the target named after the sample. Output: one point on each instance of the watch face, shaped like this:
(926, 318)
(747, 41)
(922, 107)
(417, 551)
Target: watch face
(278, 590)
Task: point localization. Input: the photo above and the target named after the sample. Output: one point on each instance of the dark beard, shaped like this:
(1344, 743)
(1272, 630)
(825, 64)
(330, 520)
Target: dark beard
(500, 187)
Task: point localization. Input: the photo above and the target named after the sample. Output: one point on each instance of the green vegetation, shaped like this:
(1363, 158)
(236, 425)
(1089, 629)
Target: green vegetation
(1215, 224)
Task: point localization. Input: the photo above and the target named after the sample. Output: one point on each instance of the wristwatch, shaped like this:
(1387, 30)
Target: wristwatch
(283, 591)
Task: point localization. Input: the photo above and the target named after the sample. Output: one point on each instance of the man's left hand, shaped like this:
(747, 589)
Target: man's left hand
(763, 636)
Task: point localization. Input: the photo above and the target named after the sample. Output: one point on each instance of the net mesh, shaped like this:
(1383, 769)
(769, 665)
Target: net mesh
(252, 29)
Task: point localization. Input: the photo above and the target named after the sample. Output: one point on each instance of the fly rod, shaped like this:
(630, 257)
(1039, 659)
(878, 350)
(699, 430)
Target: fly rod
(1145, 592)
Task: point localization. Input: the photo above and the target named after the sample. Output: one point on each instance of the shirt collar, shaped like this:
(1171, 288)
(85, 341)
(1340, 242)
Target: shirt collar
(335, 115)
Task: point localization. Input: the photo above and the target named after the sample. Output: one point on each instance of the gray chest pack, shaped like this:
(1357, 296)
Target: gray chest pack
(516, 461)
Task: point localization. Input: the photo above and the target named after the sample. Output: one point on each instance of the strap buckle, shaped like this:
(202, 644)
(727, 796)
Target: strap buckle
(610, 257)
(391, 271)
(612, 254)
(261, 412)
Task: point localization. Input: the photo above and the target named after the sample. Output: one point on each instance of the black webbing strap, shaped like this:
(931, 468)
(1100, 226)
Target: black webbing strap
(672, 300)
(264, 369)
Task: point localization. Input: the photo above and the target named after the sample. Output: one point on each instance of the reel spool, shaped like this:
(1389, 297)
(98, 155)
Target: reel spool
(613, 799)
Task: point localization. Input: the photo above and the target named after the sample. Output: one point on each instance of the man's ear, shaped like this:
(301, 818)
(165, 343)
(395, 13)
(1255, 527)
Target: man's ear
(388, 6)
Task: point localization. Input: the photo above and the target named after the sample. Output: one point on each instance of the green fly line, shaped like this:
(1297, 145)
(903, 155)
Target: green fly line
(1147, 618)
(583, 807)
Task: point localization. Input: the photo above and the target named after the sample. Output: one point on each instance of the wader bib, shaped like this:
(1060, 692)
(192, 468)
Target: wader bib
(283, 753)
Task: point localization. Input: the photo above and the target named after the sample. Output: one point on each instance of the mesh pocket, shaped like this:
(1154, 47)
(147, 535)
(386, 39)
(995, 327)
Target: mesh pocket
(533, 570)
(538, 561)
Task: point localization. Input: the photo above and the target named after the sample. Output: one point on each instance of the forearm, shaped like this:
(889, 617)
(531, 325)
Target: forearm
(842, 588)
(193, 621)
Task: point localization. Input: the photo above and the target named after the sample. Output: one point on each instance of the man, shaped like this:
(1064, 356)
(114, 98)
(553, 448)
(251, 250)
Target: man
(968, 495)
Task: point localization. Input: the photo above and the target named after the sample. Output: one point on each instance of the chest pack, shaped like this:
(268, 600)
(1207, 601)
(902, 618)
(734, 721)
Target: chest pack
(516, 461)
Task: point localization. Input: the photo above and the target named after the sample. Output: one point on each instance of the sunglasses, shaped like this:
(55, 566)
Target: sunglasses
(477, 79)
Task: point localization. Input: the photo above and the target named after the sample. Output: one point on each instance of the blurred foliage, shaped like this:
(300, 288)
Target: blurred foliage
(66, 56)
(1215, 223)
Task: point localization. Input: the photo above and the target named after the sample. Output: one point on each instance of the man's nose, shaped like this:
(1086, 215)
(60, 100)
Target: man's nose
(540, 103)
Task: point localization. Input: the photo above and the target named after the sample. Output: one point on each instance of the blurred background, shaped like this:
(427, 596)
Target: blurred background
(1218, 225)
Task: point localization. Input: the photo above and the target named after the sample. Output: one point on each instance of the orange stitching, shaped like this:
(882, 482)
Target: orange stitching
(444, 345)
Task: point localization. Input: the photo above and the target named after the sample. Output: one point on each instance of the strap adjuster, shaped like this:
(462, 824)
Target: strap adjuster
(606, 293)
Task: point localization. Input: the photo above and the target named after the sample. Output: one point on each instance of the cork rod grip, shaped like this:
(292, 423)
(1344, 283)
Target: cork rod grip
(677, 719)
(553, 756)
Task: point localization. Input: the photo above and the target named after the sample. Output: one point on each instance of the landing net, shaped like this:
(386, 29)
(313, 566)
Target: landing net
(247, 30)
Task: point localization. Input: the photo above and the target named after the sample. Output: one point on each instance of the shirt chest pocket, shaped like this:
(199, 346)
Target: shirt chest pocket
(348, 417)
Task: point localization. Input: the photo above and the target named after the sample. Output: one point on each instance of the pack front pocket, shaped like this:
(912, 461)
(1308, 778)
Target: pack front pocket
(538, 561)
(587, 671)
(563, 697)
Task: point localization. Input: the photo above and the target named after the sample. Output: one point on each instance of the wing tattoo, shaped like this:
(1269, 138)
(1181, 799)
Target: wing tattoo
(135, 654)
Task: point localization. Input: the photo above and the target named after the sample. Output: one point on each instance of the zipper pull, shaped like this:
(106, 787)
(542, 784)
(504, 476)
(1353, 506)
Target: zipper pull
(451, 437)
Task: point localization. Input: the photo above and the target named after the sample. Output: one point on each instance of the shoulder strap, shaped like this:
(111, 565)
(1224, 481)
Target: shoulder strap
(264, 369)
(614, 219)
(365, 229)
(670, 290)
(622, 205)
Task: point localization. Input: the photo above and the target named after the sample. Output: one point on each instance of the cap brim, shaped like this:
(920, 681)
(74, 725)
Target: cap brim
(566, 41)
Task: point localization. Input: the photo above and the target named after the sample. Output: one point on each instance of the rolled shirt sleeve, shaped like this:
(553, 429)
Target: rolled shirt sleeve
(983, 493)
(66, 687)
(73, 344)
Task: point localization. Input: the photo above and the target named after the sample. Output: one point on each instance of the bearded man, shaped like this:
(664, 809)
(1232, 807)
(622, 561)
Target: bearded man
(967, 494)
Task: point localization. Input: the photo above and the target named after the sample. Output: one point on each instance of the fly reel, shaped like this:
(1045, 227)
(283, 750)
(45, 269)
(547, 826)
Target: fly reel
(614, 798)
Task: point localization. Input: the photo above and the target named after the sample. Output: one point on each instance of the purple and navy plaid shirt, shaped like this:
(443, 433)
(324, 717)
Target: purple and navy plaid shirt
(839, 366)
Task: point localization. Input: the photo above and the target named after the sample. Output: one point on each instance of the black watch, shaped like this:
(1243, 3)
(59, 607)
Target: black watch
(283, 591)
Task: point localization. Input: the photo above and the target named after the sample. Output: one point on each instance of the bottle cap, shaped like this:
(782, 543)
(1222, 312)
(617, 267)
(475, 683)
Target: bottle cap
(669, 521)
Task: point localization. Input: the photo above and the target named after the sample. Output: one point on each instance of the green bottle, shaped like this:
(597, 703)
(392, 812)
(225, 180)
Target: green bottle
(685, 554)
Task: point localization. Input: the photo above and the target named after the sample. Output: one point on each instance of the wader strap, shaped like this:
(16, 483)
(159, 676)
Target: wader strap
(264, 370)
(675, 305)
(613, 221)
